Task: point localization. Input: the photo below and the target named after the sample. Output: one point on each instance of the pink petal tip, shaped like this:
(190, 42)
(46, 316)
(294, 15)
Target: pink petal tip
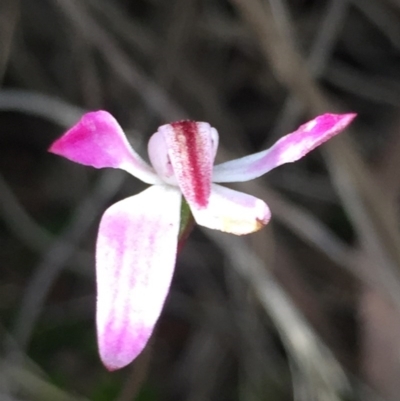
(97, 140)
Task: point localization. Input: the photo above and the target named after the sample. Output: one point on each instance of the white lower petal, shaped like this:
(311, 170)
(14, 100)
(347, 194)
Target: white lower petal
(233, 212)
(135, 260)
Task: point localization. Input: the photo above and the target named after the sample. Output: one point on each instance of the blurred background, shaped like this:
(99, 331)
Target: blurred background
(307, 309)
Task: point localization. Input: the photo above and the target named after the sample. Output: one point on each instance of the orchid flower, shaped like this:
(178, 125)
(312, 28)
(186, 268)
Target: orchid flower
(138, 236)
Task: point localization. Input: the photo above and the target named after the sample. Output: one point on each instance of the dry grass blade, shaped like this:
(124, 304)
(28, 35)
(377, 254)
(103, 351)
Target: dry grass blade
(9, 13)
(26, 377)
(380, 91)
(15, 216)
(153, 96)
(325, 377)
(36, 387)
(321, 50)
(61, 250)
(247, 318)
(41, 105)
(373, 218)
(380, 16)
(180, 28)
(138, 36)
(389, 164)
(20, 222)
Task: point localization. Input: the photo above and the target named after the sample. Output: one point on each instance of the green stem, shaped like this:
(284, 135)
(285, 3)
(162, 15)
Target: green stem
(187, 224)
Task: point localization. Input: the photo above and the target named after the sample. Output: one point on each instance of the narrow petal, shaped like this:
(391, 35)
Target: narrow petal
(159, 158)
(190, 150)
(135, 260)
(233, 212)
(97, 140)
(288, 149)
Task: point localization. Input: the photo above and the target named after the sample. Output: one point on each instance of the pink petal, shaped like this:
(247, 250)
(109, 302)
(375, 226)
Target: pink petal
(190, 149)
(233, 212)
(288, 149)
(97, 140)
(136, 252)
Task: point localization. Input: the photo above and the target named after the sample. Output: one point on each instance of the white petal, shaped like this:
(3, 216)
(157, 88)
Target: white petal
(233, 212)
(288, 149)
(135, 260)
